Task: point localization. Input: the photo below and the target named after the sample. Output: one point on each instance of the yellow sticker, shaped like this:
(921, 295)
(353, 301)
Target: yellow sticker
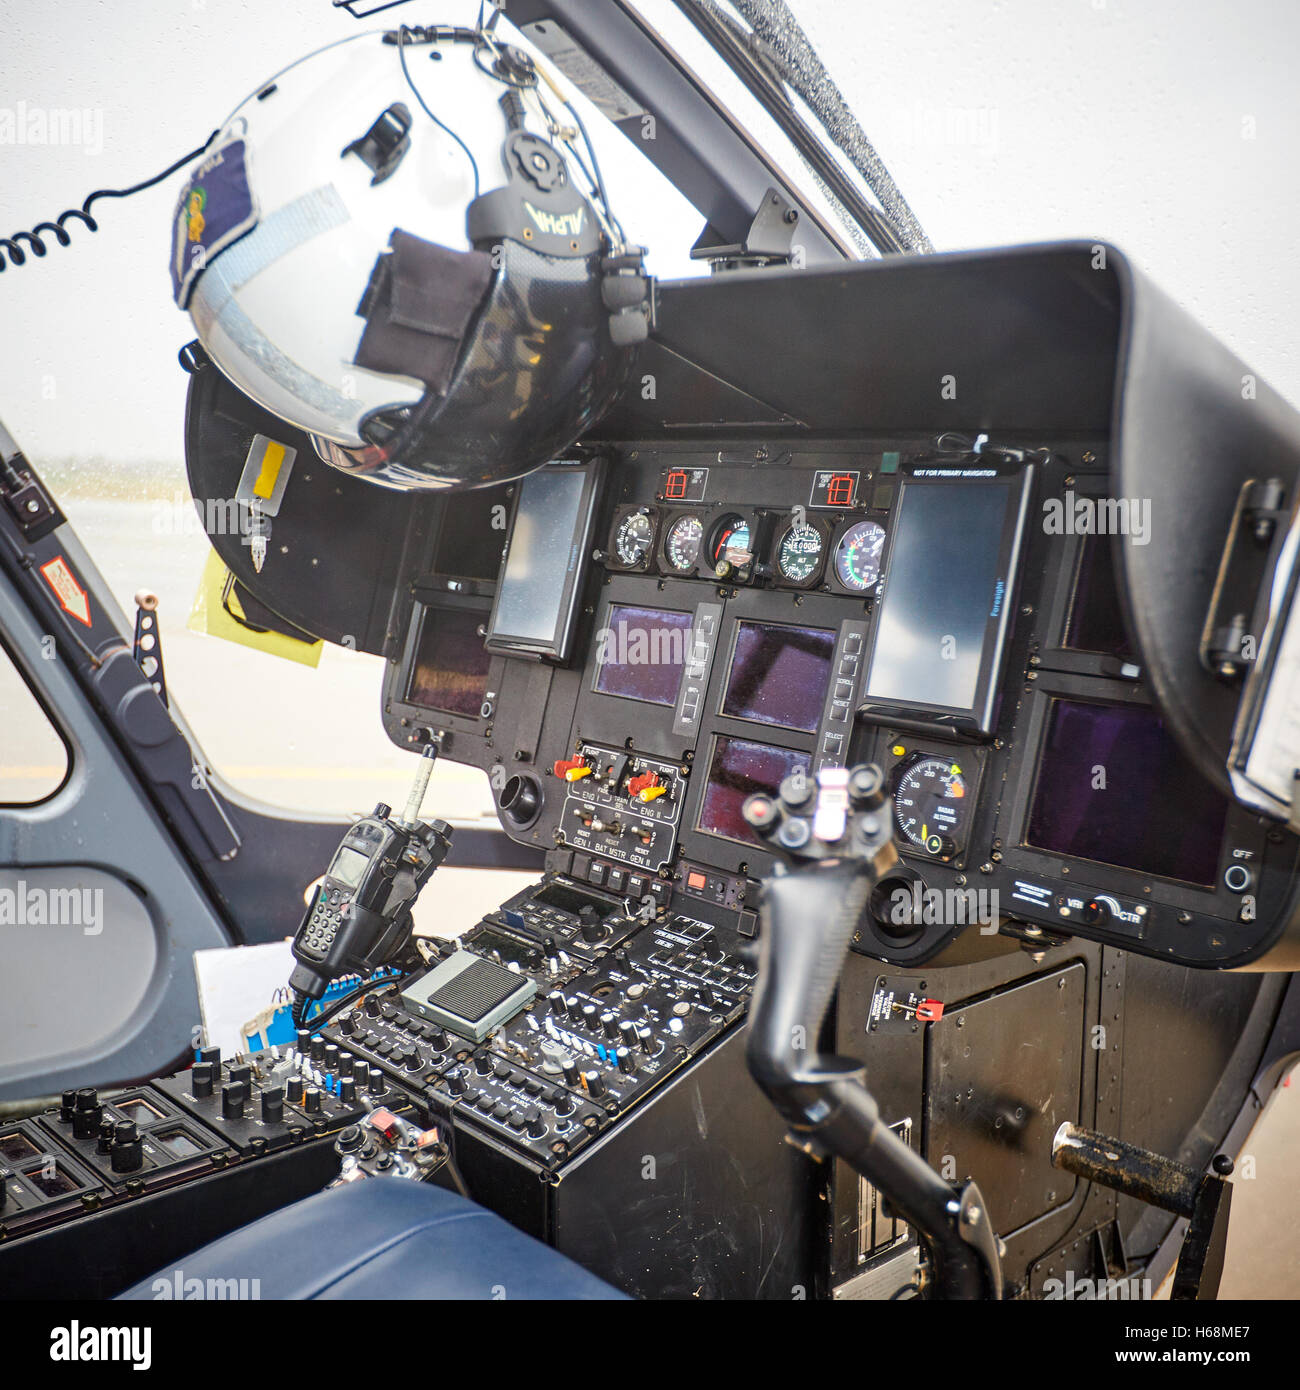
(209, 615)
(271, 461)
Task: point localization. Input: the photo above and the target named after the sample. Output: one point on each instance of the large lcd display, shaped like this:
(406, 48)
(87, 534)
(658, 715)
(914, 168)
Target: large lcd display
(451, 664)
(1096, 623)
(1114, 787)
(641, 652)
(947, 599)
(537, 591)
(779, 675)
(467, 517)
(739, 769)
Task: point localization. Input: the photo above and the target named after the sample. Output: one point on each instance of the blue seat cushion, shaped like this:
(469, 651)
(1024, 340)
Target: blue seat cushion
(385, 1238)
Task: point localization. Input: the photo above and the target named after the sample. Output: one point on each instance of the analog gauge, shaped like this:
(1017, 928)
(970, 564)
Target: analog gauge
(799, 553)
(729, 542)
(857, 557)
(633, 539)
(682, 545)
(930, 805)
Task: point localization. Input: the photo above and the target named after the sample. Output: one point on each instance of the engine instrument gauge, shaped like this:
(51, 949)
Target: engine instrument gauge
(931, 806)
(682, 544)
(633, 537)
(857, 556)
(730, 541)
(799, 553)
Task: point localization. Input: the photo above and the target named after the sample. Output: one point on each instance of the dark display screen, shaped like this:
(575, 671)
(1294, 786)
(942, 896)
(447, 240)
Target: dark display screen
(641, 653)
(181, 1144)
(139, 1110)
(779, 675)
(1096, 623)
(467, 518)
(572, 900)
(16, 1146)
(535, 597)
(739, 769)
(1114, 787)
(451, 664)
(51, 1181)
(946, 595)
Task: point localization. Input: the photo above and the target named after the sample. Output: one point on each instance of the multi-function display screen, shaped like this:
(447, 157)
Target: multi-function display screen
(537, 591)
(779, 675)
(740, 769)
(451, 663)
(1096, 623)
(640, 653)
(947, 598)
(1114, 787)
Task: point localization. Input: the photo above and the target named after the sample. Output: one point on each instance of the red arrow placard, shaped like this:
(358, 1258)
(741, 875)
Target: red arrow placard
(72, 597)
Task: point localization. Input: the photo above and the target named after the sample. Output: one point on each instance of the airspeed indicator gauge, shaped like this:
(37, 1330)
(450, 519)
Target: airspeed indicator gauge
(858, 555)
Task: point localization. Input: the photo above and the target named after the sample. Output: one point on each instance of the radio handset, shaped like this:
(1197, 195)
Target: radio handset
(360, 915)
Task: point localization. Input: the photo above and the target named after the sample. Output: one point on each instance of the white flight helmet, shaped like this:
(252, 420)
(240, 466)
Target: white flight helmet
(388, 246)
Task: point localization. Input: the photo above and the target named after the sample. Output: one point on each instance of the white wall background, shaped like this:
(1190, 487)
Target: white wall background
(1171, 127)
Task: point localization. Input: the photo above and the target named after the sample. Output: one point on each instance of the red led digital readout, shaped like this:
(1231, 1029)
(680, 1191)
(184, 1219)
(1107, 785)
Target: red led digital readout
(839, 490)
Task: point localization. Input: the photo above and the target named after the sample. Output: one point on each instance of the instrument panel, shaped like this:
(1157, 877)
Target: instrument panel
(741, 615)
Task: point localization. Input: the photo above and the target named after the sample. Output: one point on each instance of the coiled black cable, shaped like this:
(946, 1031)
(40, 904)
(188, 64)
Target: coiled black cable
(59, 227)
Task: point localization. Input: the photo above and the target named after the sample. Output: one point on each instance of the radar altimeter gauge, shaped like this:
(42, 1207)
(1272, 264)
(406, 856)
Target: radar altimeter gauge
(931, 806)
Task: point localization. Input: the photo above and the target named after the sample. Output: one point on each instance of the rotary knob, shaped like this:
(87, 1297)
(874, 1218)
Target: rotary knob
(595, 1084)
(201, 1080)
(348, 1091)
(590, 927)
(233, 1096)
(273, 1105)
(128, 1148)
(311, 1100)
(86, 1113)
(293, 1090)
